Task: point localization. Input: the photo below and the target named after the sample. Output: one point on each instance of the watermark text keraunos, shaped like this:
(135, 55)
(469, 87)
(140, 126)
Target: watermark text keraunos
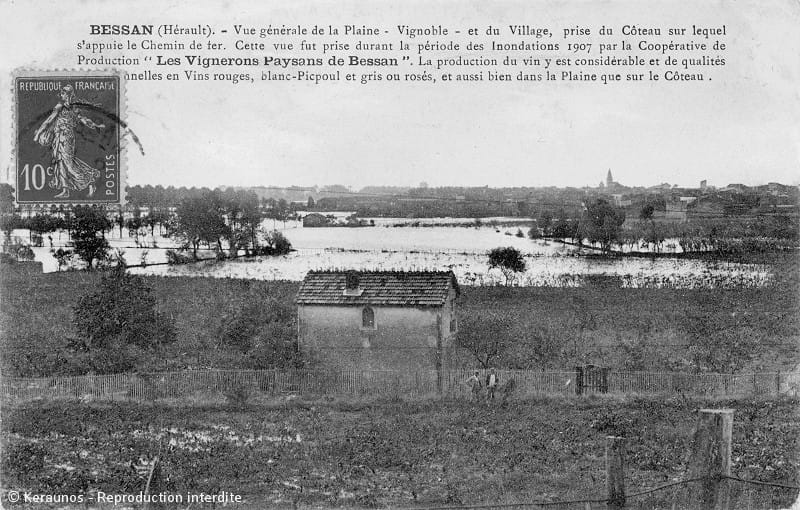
(116, 499)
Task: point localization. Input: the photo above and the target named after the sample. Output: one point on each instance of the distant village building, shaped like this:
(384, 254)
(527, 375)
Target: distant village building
(315, 220)
(620, 200)
(379, 320)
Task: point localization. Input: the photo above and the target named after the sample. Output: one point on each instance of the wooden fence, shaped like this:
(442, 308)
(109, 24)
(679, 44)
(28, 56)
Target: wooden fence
(208, 384)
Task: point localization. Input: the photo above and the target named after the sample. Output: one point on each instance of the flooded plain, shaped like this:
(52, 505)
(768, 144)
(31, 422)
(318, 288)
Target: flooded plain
(460, 249)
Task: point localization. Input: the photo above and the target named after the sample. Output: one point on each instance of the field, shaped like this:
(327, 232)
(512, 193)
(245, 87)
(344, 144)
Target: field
(386, 453)
(626, 328)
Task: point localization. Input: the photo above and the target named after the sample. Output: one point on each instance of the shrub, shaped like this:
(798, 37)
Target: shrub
(178, 257)
(275, 244)
(122, 310)
(63, 257)
(22, 252)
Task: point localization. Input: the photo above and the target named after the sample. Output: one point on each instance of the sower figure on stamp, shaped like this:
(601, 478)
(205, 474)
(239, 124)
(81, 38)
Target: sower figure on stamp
(492, 380)
(58, 131)
(474, 382)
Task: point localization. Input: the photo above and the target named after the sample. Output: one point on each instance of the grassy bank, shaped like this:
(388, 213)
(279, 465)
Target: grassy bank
(390, 453)
(635, 329)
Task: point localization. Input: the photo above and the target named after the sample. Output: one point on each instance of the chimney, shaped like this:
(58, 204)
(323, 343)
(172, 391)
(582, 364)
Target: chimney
(351, 287)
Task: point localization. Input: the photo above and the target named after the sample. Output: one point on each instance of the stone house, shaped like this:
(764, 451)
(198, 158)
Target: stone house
(378, 320)
(315, 220)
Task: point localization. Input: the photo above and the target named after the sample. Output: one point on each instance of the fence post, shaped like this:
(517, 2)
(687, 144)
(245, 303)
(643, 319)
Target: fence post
(615, 471)
(778, 383)
(604, 379)
(579, 381)
(711, 455)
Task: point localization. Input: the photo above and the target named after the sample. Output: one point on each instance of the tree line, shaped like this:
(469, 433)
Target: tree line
(227, 222)
(604, 225)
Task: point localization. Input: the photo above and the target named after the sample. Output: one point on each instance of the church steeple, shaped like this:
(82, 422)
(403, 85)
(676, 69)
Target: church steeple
(609, 178)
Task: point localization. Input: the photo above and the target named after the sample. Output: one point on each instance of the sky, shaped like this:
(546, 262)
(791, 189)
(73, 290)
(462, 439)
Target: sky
(741, 127)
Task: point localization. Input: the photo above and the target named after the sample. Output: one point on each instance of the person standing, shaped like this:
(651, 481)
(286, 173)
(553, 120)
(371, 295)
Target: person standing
(474, 382)
(492, 380)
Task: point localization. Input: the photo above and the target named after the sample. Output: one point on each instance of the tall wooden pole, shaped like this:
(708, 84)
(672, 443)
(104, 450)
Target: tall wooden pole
(711, 456)
(615, 471)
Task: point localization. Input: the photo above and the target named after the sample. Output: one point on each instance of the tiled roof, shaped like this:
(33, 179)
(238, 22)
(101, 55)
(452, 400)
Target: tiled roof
(398, 288)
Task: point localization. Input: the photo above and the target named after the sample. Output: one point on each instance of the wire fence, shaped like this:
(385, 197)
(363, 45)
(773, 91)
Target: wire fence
(734, 494)
(205, 385)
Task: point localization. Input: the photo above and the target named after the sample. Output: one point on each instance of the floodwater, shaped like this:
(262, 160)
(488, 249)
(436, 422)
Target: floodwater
(460, 249)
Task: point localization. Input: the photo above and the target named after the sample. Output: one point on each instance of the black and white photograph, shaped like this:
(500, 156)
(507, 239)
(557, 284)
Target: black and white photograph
(400, 254)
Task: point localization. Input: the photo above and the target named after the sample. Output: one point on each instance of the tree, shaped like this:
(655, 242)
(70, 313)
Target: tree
(8, 223)
(275, 244)
(121, 312)
(119, 220)
(244, 218)
(485, 335)
(646, 212)
(545, 222)
(43, 224)
(653, 236)
(88, 225)
(509, 260)
(564, 227)
(604, 223)
(280, 212)
(200, 219)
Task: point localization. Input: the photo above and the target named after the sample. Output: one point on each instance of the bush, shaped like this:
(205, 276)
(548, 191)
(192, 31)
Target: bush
(21, 252)
(178, 257)
(276, 244)
(121, 310)
(63, 257)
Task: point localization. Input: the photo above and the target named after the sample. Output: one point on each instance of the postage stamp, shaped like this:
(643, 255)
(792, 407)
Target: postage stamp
(69, 133)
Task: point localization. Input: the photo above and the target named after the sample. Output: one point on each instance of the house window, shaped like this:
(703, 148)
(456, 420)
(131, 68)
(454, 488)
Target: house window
(368, 318)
